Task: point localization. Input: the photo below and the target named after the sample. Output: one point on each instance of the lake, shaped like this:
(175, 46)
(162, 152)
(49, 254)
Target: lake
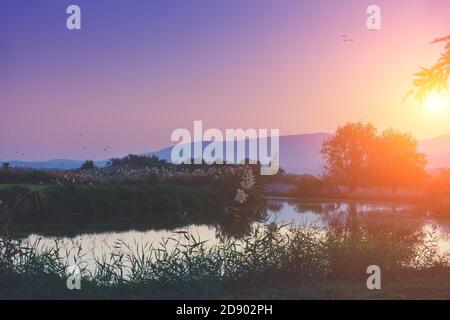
(305, 213)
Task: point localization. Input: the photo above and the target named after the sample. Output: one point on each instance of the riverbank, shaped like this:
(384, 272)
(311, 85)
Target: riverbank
(423, 286)
(338, 199)
(416, 287)
(435, 200)
(77, 206)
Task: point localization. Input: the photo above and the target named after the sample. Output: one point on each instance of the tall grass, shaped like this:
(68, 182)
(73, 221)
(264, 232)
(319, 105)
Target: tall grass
(184, 266)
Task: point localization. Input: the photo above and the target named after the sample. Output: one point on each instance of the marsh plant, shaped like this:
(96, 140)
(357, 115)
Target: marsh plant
(271, 257)
(93, 197)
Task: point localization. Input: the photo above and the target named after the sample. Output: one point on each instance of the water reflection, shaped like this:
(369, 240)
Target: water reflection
(352, 219)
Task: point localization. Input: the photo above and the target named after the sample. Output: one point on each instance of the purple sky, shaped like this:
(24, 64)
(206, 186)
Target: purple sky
(140, 69)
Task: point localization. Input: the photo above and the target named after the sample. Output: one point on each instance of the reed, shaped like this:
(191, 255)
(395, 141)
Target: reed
(183, 266)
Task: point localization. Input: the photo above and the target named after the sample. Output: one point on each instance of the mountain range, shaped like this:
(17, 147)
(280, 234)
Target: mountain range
(298, 154)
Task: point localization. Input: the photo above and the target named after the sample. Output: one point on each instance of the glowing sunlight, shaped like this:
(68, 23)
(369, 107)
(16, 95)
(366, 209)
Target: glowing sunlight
(436, 102)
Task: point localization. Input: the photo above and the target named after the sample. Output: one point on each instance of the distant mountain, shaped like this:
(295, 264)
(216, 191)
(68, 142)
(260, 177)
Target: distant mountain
(437, 151)
(298, 154)
(301, 153)
(61, 164)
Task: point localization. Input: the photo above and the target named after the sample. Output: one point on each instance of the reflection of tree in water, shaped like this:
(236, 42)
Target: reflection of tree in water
(275, 205)
(356, 240)
(352, 220)
(318, 207)
(237, 224)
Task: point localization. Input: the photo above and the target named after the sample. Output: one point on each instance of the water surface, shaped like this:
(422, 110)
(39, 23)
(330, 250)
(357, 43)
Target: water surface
(310, 214)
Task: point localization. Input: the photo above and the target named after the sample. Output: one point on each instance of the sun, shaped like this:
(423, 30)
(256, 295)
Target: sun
(436, 102)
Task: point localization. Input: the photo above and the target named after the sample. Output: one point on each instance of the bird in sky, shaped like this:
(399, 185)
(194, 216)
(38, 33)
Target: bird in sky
(344, 38)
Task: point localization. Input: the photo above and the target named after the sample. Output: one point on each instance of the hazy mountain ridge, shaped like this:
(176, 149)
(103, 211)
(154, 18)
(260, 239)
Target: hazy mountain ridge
(298, 154)
(437, 150)
(59, 164)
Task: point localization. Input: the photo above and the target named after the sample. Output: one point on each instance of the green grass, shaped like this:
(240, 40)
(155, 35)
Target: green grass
(418, 286)
(31, 187)
(82, 207)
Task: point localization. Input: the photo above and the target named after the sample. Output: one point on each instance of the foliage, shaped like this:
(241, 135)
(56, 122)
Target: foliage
(75, 206)
(176, 198)
(137, 161)
(28, 176)
(348, 154)
(434, 77)
(438, 193)
(184, 266)
(357, 156)
(88, 165)
(397, 162)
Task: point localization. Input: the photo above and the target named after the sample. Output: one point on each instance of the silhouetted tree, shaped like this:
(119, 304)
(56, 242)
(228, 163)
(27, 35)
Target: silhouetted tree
(136, 161)
(6, 166)
(348, 153)
(88, 165)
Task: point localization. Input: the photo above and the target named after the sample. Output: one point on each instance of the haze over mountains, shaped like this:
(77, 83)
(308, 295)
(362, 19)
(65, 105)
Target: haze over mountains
(298, 154)
(437, 151)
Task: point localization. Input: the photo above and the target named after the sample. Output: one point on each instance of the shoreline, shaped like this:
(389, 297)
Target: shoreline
(341, 199)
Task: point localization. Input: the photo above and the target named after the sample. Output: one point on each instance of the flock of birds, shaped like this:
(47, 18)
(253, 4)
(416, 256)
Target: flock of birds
(84, 147)
(106, 148)
(344, 38)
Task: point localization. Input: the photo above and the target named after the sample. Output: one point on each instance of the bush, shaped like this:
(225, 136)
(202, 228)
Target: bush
(77, 205)
(28, 176)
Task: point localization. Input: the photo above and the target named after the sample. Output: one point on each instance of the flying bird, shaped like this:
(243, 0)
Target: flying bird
(344, 38)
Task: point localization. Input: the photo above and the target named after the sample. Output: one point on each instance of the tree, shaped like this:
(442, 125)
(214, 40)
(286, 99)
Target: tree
(399, 163)
(357, 156)
(348, 154)
(434, 77)
(137, 161)
(88, 165)
(5, 166)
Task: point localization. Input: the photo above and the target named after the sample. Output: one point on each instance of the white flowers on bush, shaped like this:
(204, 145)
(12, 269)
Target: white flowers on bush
(248, 179)
(171, 174)
(240, 196)
(247, 183)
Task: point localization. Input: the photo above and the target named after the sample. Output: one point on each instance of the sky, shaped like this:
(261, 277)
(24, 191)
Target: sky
(139, 69)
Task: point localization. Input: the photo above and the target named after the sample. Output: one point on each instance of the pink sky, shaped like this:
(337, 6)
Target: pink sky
(131, 76)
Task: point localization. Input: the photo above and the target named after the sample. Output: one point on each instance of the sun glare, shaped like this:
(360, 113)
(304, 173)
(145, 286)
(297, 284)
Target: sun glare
(436, 102)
